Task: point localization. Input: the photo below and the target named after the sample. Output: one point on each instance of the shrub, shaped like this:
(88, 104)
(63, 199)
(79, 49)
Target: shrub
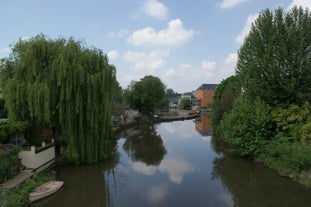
(9, 161)
(288, 157)
(10, 127)
(247, 127)
(292, 122)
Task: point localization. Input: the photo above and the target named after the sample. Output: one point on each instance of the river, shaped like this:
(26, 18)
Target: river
(174, 164)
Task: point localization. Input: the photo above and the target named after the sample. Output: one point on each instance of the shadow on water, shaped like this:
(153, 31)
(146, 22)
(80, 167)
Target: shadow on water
(253, 184)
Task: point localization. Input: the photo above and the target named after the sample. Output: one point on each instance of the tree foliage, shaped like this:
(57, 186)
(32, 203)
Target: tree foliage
(226, 92)
(270, 119)
(3, 112)
(63, 84)
(146, 95)
(247, 126)
(185, 103)
(274, 62)
(293, 123)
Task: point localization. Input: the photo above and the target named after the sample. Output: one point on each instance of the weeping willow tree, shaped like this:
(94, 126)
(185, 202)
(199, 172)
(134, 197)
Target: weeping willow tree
(63, 84)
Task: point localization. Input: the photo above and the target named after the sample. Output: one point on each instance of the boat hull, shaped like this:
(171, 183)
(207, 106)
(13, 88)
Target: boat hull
(45, 190)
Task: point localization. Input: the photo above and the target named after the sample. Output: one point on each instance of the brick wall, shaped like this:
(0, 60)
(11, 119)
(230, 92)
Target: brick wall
(206, 96)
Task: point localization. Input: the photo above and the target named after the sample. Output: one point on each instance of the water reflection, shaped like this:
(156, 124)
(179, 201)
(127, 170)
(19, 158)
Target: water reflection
(253, 184)
(145, 146)
(85, 185)
(183, 130)
(203, 126)
(175, 168)
(157, 193)
(171, 164)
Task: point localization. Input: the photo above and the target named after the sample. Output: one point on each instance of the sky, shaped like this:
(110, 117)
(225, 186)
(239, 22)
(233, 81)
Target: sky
(183, 42)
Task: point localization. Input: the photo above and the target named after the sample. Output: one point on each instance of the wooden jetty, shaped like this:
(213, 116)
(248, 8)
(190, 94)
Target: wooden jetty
(176, 118)
(18, 179)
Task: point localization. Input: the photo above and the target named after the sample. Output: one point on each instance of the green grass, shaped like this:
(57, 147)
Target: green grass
(18, 197)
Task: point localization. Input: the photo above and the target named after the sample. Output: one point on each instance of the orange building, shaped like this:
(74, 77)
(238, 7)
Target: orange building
(204, 94)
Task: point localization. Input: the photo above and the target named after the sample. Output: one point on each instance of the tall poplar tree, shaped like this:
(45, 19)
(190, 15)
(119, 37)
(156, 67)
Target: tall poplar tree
(275, 60)
(63, 84)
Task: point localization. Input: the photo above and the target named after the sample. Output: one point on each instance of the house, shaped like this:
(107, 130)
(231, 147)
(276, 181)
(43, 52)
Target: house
(204, 94)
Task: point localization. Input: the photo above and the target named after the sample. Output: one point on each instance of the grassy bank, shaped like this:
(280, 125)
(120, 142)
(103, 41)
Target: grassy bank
(18, 197)
(290, 159)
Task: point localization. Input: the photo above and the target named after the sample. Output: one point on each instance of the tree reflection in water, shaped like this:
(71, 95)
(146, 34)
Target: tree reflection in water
(253, 184)
(146, 146)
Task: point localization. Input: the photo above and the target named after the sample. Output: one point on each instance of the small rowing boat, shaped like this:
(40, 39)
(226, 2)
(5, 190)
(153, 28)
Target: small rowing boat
(45, 190)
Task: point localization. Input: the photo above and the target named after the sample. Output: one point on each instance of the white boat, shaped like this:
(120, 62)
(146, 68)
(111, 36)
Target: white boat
(45, 190)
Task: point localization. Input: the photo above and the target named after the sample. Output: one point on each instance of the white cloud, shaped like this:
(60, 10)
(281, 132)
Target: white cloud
(151, 61)
(302, 3)
(113, 55)
(250, 19)
(224, 4)
(118, 34)
(188, 77)
(231, 59)
(155, 9)
(25, 38)
(174, 35)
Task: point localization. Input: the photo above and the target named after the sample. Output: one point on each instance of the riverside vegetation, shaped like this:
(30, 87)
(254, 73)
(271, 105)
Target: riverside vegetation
(18, 197)
(63, 85)
(264, 110)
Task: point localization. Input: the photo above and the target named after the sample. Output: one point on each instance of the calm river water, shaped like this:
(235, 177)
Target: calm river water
(174, 164)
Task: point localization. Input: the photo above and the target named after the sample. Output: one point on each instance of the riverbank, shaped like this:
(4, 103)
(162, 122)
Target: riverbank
(18, 197)
(158, 118)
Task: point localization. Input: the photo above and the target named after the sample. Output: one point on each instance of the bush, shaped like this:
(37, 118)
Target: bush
(247, 127)
(9, 161)
(10, 127)
(288, 157)
(226, 92)
(292, 122)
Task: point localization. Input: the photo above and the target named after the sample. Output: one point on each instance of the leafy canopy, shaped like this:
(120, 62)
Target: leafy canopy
(274, 62)
(146, 95)
(65, 85)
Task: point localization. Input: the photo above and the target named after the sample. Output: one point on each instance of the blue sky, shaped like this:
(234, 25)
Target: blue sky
(183, 42)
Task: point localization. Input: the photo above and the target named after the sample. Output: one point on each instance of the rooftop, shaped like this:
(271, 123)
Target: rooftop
(207, 87)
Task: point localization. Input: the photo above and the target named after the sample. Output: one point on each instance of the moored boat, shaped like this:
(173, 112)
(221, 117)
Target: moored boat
(45, 190)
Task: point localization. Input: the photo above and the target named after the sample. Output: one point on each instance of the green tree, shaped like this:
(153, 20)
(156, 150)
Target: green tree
(146, 95)
(169, 94)
(185, 103)
(65, 85)
(248, 126)
(274, 62)
(226, 92)
(3, 112)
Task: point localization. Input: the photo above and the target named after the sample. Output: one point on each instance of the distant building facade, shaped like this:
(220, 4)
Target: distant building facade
(205, 94)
